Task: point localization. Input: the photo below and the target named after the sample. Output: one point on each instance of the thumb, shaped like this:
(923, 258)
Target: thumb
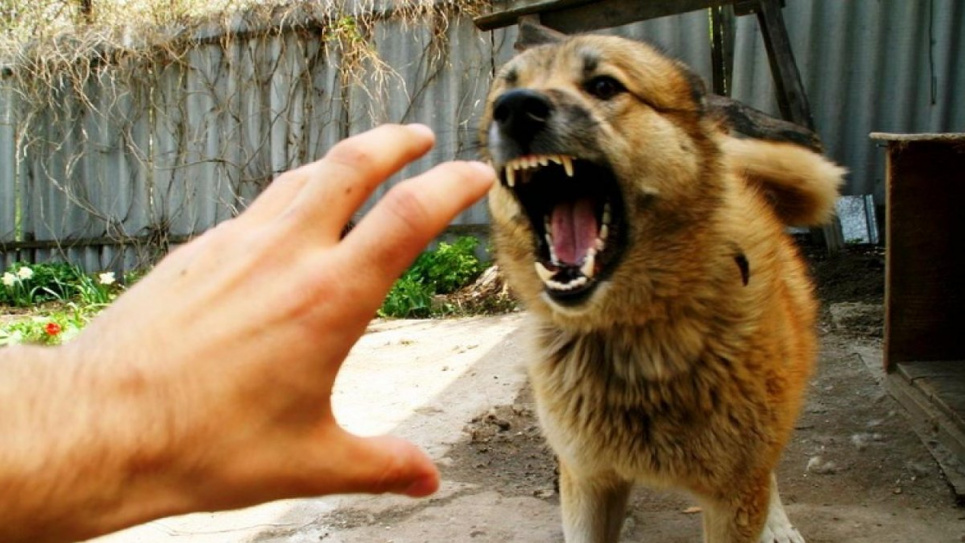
(387, 464)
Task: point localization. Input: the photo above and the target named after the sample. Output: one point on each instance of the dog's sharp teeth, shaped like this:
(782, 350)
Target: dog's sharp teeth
(555, 159)
(606, 216)
(604, 232)
(543, 161)
(544, 274)
(549, 243)
(567, 165)
(589, 263)
(510, 176)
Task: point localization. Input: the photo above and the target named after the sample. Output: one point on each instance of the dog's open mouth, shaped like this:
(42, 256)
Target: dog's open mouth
(577, 216)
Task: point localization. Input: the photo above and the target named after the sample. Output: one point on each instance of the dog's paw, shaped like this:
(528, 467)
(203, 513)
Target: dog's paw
(780, 531)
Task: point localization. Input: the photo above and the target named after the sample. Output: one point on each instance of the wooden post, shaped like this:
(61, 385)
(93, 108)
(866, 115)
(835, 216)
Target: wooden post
(722, 48)
(791, 97)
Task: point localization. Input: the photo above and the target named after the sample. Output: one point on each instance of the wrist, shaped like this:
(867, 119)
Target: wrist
(130, 441)
(81, 457)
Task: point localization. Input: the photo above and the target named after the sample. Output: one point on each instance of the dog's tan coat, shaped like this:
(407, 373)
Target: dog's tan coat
(674, 373)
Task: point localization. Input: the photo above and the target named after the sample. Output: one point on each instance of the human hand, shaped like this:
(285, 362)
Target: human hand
(218, 366)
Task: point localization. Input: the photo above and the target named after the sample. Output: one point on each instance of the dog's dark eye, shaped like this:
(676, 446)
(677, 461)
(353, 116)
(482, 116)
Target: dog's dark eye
(604, 87)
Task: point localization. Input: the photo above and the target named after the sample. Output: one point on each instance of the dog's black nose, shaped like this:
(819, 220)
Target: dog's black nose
(521, 113)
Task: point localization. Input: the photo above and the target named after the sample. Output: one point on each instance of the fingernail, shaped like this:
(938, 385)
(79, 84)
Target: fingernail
(418, 127)
(422, 487)
(483, 167)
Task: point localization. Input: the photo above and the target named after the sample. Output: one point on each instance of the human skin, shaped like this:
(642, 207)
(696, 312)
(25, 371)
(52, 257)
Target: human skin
(207, 386)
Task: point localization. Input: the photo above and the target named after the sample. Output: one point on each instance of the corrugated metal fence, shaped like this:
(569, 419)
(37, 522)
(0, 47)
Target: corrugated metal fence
(148, 150)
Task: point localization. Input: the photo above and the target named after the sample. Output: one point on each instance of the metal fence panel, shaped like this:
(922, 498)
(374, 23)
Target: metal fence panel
(868, 66)
(8, 166)
(165, 146)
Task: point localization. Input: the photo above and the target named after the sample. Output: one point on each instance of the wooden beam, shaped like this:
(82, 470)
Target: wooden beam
(791, 98)
(509, 12)
(722, 48)
(572, 16)
(79, 243)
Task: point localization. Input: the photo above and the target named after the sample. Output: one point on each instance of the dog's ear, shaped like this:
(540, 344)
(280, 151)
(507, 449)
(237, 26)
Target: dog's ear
(698, 88)
(531, 34)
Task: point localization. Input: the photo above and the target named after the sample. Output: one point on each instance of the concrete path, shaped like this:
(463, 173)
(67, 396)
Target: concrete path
(421, 380)
(854, 472)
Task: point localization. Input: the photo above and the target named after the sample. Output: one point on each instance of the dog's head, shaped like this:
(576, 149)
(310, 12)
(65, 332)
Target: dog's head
(603, 152)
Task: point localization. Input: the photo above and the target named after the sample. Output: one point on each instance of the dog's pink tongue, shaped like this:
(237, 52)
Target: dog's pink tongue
(574, 230)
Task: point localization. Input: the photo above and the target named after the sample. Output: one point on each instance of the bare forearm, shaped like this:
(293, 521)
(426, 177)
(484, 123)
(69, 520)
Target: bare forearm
(73, 457)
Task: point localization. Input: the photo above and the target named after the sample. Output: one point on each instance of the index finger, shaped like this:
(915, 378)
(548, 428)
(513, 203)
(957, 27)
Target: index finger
(405, 220)
(322, 195)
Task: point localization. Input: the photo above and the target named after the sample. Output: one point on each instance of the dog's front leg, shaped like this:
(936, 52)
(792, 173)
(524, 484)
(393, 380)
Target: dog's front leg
(752, 515)
(593, 505)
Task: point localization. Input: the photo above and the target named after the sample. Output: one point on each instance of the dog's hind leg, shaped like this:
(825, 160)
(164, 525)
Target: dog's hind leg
(593, 506)
(754, 515)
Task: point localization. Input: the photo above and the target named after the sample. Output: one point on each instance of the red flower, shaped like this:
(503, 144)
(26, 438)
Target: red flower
(53, 329)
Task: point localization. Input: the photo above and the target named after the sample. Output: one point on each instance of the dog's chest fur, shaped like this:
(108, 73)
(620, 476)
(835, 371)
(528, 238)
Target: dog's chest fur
(634, 402)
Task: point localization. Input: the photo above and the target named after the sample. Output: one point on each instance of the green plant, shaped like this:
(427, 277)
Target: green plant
(443, 270)
(409, 298)
(449, 267)
(47, 329)
(24, 285)
(96, 291)
(133, 276)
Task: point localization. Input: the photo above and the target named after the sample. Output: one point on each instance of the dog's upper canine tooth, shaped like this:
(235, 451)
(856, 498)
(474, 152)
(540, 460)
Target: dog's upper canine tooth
(510, 176)
(606, 216)
(567, 165)
(544, 274)
(589, 263)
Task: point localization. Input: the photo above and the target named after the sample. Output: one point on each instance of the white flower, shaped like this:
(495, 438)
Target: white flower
(9, 279)
(25, 273)
(106, 278)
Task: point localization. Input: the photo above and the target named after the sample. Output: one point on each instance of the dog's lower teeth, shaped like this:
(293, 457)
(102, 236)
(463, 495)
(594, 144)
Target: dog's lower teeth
(604, 232)
(576, 283)
(544, 274)
(606, 216)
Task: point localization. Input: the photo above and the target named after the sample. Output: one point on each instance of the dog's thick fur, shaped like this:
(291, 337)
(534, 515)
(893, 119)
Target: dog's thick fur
(685, 363)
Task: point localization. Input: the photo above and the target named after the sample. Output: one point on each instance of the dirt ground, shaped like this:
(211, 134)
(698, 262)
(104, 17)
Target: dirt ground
(855, 472)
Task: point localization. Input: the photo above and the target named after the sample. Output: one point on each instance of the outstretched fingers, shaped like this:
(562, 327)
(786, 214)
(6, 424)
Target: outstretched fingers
(322, 196)
(403, 222)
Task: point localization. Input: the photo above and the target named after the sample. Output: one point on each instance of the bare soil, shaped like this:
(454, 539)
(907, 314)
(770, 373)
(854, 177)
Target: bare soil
(854, 472)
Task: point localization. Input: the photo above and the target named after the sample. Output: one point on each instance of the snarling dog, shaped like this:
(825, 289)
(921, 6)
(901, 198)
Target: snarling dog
(671, 318)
